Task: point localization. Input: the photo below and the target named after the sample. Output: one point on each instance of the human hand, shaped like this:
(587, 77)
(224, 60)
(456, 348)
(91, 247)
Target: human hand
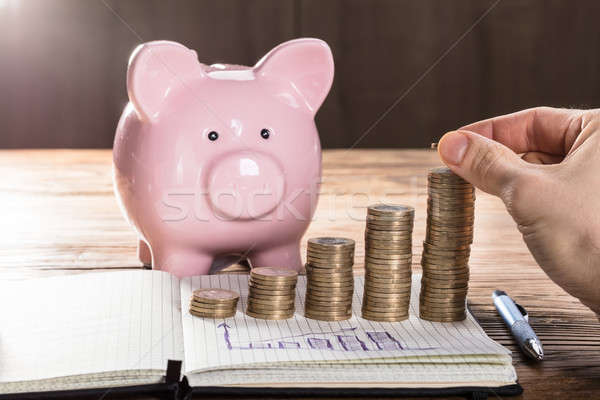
(552, 191)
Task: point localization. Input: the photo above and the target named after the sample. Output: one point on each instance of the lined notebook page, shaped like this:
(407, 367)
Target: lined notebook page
(98, 323)
(242, 341)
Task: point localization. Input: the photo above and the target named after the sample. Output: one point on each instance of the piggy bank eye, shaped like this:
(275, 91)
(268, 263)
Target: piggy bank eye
(265, 133)
(212, 135)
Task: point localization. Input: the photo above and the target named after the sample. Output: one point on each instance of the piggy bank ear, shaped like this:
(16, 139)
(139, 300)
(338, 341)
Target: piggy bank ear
(155, 69)
(306, 63)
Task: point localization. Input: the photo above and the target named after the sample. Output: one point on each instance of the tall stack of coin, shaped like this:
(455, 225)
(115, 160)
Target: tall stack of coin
(446, 250)
(330, 279)
(271, 293)
(388, 259)
(214, 303)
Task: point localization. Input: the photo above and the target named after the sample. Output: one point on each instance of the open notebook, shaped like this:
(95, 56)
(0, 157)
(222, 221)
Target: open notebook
(119, 329)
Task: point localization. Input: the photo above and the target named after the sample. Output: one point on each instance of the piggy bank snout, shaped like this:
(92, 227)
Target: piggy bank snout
(246, 185)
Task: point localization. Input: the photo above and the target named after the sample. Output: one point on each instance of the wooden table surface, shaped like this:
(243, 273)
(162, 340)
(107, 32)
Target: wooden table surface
(59, 216)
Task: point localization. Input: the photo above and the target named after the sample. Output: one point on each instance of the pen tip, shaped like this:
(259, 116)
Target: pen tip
(534, 349)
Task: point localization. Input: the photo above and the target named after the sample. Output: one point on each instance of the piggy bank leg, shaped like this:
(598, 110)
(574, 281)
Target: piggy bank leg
(182, 262)
(144, 254)
(285, 256)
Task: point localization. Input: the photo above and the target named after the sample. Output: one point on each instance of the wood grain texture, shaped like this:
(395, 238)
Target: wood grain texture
(59, 216)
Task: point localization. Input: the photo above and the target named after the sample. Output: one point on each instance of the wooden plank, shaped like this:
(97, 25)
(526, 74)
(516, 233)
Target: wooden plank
(59, 216)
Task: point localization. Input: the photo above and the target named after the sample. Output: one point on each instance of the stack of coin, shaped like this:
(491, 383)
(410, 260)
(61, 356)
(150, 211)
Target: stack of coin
(214, 303)
(271, 293)
(388, 259)
(330, 279)
(445, 261)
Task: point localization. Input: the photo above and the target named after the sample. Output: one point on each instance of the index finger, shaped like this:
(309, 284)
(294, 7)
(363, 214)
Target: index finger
(541, 129)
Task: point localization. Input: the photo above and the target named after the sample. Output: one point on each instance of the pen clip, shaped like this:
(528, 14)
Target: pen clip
(523, 311)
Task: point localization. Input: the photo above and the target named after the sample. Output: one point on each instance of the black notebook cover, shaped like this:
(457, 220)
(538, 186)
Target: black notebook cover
(173, 389)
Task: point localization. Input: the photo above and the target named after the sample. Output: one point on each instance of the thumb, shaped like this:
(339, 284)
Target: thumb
(487, 164)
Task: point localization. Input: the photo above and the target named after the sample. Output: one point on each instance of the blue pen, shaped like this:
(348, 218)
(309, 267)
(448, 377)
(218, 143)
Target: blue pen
(517, 320)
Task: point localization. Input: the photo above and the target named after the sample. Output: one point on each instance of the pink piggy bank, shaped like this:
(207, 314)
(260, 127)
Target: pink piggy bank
(221, 161)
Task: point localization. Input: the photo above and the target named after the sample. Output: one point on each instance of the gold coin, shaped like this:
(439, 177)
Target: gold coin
(328, 295)
(442, 313)
(338, 267)
(389, 308)
(440, 319)
(342, 281)
(331, 299)
(328, 313)
(280, 283)
(285, 302)
(379, 297)
(449, 296)
(395, 226)
(325, 303)
(452, 204)
(429, 305)
(328, 318)
(387, 235)
(388, 285)
(329, 292)
(406, 219)
(444, 234)
(329, 270)
(213, 305)
(384, 314)
(215, 295)
(212, 314)
(387, 244)
(382, 261)
(341, 310)
(448, 241)
(430, 291)
(269, 292)
(386, 306)
(441, 305)
(345, 280)
(456, 274)
(388, 270)
(269, 273)
(434, 249)
(446, 277)
(262, 308)
(275, 286)
(280, 298)
(444, 282)
(377, 318)
(442, 265)
(435, 258)
(211, 310)
(390, 210)
(457, 312)
(380, 230)
(387, 277)
(326, 243)
(331, 286)
(274, 316)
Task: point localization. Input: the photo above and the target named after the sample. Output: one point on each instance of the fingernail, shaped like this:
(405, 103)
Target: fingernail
(452, 147)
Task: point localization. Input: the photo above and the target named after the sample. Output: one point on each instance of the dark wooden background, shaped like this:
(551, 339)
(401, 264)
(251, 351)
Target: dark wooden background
(63, 62)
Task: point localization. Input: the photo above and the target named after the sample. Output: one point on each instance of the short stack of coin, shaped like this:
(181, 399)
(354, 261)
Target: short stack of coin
(388, 259)
(271, 293)
(214, 303)
(330, 279)
(446, 250)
